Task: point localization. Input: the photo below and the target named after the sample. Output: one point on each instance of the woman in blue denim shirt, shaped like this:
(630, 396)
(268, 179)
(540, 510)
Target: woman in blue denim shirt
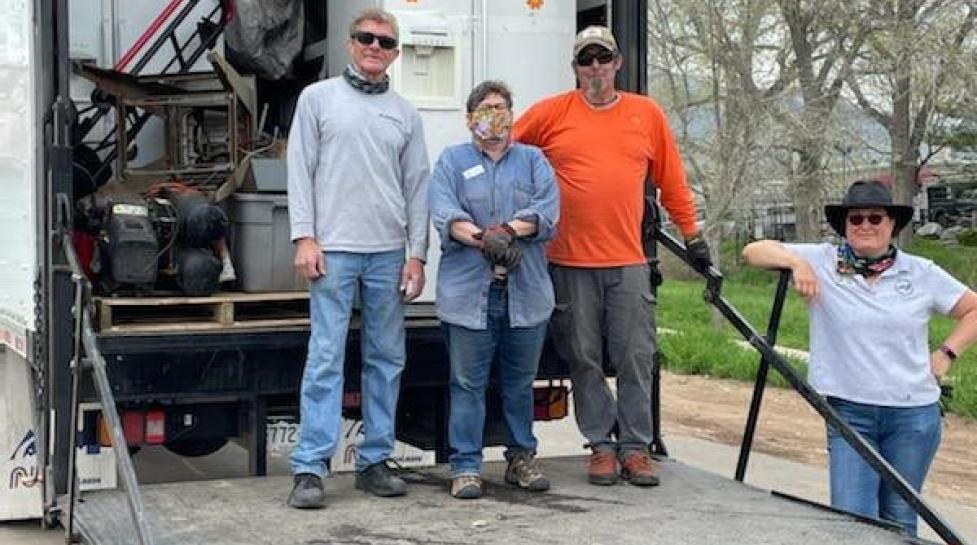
(494, 203)
(870, 306)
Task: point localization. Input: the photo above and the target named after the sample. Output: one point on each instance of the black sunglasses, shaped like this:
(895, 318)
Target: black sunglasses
(586, 58)
(366, 38)
(857, 219)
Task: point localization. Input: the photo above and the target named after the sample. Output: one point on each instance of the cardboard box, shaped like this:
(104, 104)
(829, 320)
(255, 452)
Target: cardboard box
(21, 478)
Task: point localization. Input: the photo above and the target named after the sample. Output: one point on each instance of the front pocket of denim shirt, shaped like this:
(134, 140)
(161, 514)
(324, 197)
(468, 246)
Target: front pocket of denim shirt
(478, 194)
(522, 194)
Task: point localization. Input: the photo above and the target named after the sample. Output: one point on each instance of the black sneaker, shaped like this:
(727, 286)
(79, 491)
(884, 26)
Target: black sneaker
(380, 481)
(307, 492)
(523, 472)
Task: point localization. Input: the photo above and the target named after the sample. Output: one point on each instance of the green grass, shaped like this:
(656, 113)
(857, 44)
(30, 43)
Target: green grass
(714, 354)
(698, 348)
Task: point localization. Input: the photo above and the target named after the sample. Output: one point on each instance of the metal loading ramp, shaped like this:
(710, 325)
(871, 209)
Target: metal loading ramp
(691, 506)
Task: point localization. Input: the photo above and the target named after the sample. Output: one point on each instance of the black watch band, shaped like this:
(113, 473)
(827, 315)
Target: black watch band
(948, 352)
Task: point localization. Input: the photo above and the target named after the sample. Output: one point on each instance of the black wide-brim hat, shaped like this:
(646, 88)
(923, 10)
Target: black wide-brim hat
(867, 194)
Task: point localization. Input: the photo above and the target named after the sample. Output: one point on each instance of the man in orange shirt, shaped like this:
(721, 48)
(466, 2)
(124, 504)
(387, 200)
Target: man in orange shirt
(603, 144)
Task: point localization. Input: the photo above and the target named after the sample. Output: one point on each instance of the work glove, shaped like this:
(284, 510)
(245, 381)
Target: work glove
(655, 277)
(495, 241)
(508, 261)
(511, 257)
(698, 252)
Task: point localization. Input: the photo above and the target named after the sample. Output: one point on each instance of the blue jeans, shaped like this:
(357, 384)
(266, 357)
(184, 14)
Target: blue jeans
(907, 437)
(472, 352)
(377, 276)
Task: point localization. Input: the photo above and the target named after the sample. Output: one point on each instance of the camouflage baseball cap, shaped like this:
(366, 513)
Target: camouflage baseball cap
(594, 35)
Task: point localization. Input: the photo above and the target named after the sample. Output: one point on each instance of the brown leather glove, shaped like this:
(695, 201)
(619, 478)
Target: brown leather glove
(511, 258)
(496, 240)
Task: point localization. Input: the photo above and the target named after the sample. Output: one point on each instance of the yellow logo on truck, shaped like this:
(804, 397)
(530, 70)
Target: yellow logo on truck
(534, 4)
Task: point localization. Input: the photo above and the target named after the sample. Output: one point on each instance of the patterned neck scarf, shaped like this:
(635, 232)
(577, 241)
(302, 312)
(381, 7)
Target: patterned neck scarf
(363, 85)
(849, 263)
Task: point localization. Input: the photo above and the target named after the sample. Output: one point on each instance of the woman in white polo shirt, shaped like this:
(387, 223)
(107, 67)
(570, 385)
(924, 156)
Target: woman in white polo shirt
(870, 306)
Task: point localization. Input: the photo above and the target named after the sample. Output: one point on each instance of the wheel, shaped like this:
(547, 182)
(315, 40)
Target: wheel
(194, 448)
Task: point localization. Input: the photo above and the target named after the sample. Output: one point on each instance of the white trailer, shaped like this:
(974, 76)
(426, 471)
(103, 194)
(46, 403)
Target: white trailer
(20, 477)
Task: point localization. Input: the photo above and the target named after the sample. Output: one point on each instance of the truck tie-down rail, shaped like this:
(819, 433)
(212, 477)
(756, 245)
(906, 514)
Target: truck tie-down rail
(771, 358)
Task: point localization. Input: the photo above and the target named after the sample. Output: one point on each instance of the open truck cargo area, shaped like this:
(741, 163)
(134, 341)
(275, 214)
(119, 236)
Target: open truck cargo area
(690, 506)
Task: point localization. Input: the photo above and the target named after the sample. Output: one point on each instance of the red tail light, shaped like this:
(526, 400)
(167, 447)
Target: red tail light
(351, 400)
(550, 402)
(134, 427)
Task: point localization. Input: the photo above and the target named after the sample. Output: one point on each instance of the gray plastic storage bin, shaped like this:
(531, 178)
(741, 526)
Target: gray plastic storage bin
(261, 245)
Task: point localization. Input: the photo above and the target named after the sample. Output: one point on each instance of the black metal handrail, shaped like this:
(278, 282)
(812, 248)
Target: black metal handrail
(764, 345)
(761, 376)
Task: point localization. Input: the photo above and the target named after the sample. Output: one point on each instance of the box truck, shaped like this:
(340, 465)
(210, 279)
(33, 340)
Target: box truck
(102, 355)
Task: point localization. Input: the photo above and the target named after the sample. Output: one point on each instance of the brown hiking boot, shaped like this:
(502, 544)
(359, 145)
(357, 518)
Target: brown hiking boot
(639, 469)
(602, 468)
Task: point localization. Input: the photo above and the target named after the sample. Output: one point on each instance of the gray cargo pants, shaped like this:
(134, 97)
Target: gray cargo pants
(613, 309)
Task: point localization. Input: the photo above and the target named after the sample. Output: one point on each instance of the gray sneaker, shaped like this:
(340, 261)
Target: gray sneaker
(307, 492)
(380, 481)
(466, 487)
(523, 472)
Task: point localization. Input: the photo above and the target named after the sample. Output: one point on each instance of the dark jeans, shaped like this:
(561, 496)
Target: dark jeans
(472, 352)
(907, 437)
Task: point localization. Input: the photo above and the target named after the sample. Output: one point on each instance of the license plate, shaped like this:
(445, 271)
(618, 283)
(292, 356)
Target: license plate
(282, 436)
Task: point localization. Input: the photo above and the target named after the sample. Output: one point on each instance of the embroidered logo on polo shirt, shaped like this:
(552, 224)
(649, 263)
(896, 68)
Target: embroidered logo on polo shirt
(904, 286)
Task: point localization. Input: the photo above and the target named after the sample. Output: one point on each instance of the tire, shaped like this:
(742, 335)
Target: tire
(194, 448)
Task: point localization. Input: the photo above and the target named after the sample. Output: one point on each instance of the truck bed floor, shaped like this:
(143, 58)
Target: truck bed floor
(690, 507)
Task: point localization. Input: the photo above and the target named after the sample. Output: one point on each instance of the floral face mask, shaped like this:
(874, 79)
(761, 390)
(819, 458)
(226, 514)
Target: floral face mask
(490, 123)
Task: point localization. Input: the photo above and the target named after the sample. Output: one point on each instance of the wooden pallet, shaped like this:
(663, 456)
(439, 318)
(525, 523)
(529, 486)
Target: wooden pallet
(221, 311)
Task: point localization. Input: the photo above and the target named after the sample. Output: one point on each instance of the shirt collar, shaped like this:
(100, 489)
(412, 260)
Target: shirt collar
(478, 149)
(602, 108)
(899, 266)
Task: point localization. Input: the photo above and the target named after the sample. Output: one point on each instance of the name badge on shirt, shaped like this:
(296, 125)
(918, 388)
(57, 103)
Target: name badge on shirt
(473, 171)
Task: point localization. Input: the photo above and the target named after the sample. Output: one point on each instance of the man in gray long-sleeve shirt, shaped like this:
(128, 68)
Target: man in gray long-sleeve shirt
(357, 176)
